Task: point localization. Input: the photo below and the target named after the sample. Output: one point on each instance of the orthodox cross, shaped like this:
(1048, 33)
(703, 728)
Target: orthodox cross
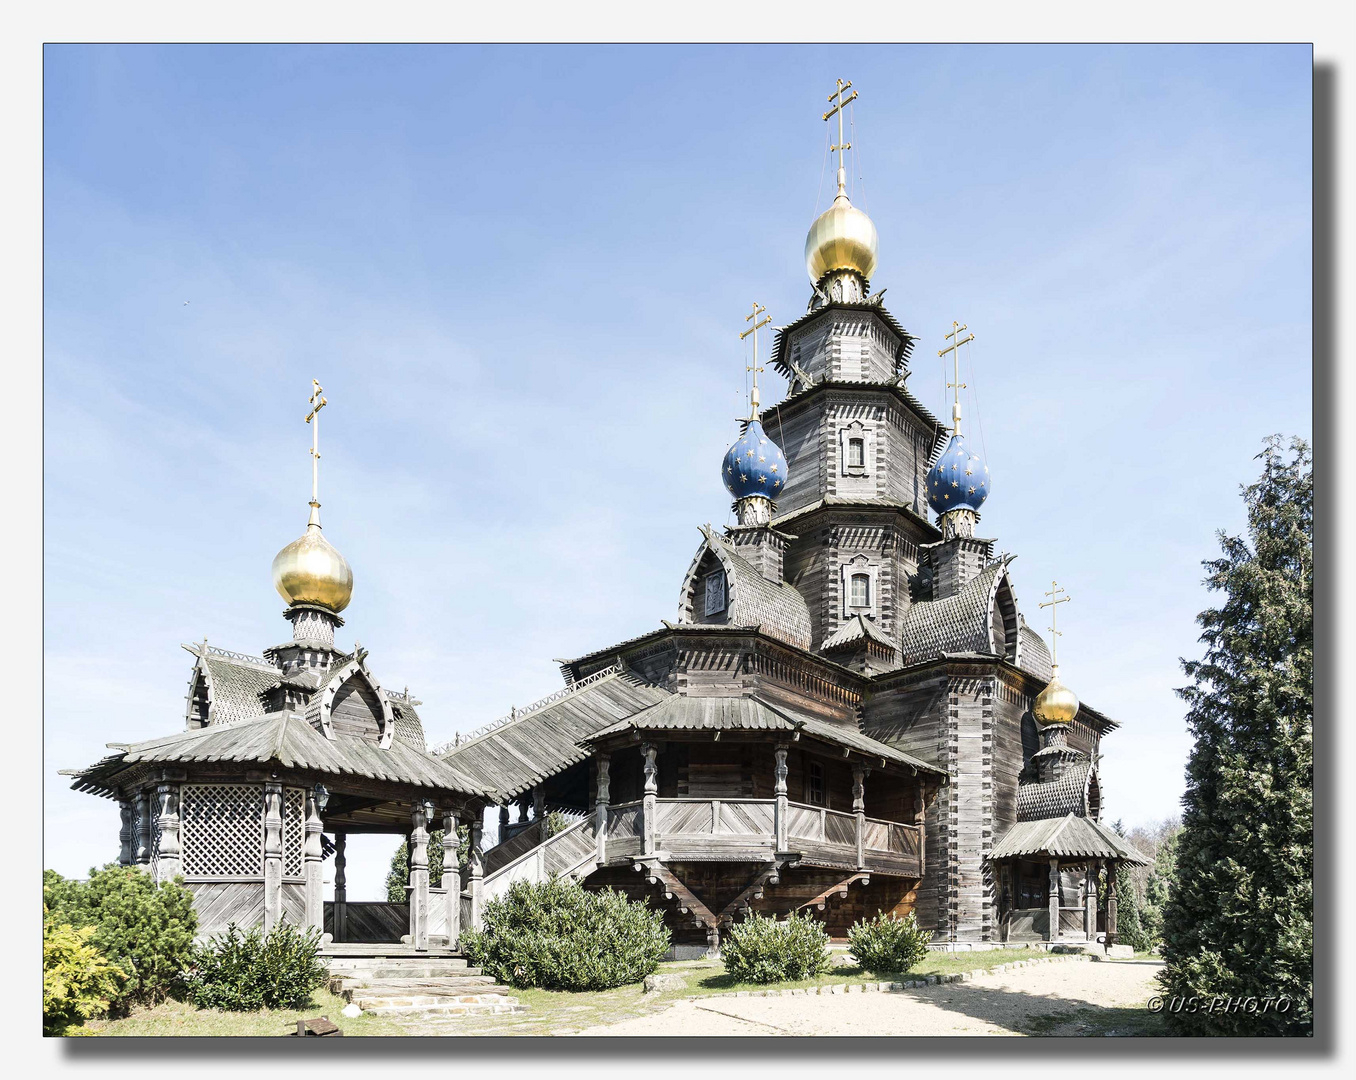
(313, 418)
(954, 349)
(1057, 596)
(757, 325)
(838, 108)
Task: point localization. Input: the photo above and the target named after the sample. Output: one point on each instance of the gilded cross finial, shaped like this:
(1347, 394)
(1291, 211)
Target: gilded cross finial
(318, 402)
(758, 324)
(842, 144)
(1057, 596)
(954, 349)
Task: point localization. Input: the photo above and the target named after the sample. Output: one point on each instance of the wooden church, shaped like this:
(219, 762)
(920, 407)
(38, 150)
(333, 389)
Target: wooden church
(848, 715)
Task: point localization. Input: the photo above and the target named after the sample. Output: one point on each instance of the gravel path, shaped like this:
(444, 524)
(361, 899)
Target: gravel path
(1058, 999)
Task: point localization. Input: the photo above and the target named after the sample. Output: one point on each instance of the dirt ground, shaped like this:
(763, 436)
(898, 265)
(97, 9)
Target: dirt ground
(1106, 998)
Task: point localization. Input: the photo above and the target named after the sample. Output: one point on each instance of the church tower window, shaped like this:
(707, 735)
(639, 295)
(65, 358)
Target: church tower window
(861, 591)
(715, 593)
(856, 453)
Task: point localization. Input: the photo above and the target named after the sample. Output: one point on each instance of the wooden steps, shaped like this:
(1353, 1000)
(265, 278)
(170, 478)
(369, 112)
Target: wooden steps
(410, 985)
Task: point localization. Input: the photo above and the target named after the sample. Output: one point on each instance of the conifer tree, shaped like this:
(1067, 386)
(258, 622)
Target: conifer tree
(1239, 919)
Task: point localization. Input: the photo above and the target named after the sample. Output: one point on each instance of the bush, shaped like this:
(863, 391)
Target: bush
(886, 943)
(560, 936)
(145, 929)
(78, 982)
(763, 950)
(251, 971)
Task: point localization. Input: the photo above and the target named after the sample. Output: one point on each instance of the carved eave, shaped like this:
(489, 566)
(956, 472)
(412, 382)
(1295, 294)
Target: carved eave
(793, 403)
(319, 708)
(859, 511)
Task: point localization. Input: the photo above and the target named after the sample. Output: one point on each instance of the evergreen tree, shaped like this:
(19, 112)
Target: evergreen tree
(1239, 920)
(399, 875)
(1158, 886)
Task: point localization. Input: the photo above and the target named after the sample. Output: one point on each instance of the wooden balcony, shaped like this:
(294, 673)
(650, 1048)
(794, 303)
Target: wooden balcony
(745, 830)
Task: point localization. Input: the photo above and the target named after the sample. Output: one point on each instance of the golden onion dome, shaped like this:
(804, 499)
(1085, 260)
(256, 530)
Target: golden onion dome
(310, 570)
(1056, 704)
(842, 238)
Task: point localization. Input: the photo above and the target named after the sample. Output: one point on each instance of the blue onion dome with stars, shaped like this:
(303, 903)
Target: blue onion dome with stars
(754, 465)
(960, 479)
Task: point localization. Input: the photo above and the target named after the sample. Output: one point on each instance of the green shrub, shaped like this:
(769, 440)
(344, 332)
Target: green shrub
(78, 982)
(145, 929)
(886, 943)
(560, 936)
(251, 971)
(763, 950)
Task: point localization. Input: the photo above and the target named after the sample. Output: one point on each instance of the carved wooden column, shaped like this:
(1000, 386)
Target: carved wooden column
(475, 872)
(451, 878)
(539, 805)
(127, 833)
(1054, 899)
(419, 877)
(340, 886)
(143, 848)
(273, 855)
(1110, 904)
(313, 865)
(859, 809)
(648, 750)
(503, 823)
(168, 861)
(780, 810)
(603, 763)
(920, 815)
(1090, 899)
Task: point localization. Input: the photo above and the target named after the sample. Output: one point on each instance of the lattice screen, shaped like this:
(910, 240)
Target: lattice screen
(223, 830)
(293, 834)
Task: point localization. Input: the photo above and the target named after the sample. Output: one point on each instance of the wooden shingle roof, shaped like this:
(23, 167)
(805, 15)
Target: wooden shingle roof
(1069, 837)
(856, 629)
(1057, 798)
(286, 740)
(542, 741)
(955, 624)
(681, 712)
(236, 685)
(755, 603)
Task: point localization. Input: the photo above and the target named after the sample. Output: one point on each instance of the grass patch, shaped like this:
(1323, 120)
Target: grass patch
(180, 1018)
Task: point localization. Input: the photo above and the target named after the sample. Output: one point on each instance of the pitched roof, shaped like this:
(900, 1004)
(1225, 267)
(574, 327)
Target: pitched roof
(955, 624)
(681, 712)
(409, 729)
(237, 684)
(1055, 799)
(546, 739)
(776, 608)
(286, 740)
(856, 629)
(781, 344)
(1069, 837)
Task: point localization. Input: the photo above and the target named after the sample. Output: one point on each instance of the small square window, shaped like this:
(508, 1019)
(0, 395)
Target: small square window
(814, 784)
(856, 453)
(715, 592)
(860, 591)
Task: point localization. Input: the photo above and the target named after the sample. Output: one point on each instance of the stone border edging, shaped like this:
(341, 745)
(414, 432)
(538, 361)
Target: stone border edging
(895, 987)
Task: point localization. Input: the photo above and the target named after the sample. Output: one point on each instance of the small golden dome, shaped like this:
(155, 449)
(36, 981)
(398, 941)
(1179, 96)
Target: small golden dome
(1056, 704)
(842, 238)
(310, 571)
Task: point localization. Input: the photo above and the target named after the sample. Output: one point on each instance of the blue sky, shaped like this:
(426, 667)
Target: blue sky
(520, 273)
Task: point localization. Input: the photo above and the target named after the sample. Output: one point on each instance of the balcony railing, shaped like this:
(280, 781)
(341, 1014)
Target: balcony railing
(748, 828)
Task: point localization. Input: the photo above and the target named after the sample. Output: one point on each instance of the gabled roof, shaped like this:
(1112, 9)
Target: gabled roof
(409, 729)
(1055, 799)
(754, 602)
(955, 624)
(286, 740)
(236, 684)
(681, 712)
(855, 630)
(546, 739)
(1069, 837)
(1034, 655)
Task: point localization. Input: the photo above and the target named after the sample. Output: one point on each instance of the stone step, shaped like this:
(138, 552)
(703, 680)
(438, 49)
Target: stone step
(480, 985)
(403, 971)
(367, 1000)
(450, 1009)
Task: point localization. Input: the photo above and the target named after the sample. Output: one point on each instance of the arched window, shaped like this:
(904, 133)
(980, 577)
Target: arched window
(860, 594)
